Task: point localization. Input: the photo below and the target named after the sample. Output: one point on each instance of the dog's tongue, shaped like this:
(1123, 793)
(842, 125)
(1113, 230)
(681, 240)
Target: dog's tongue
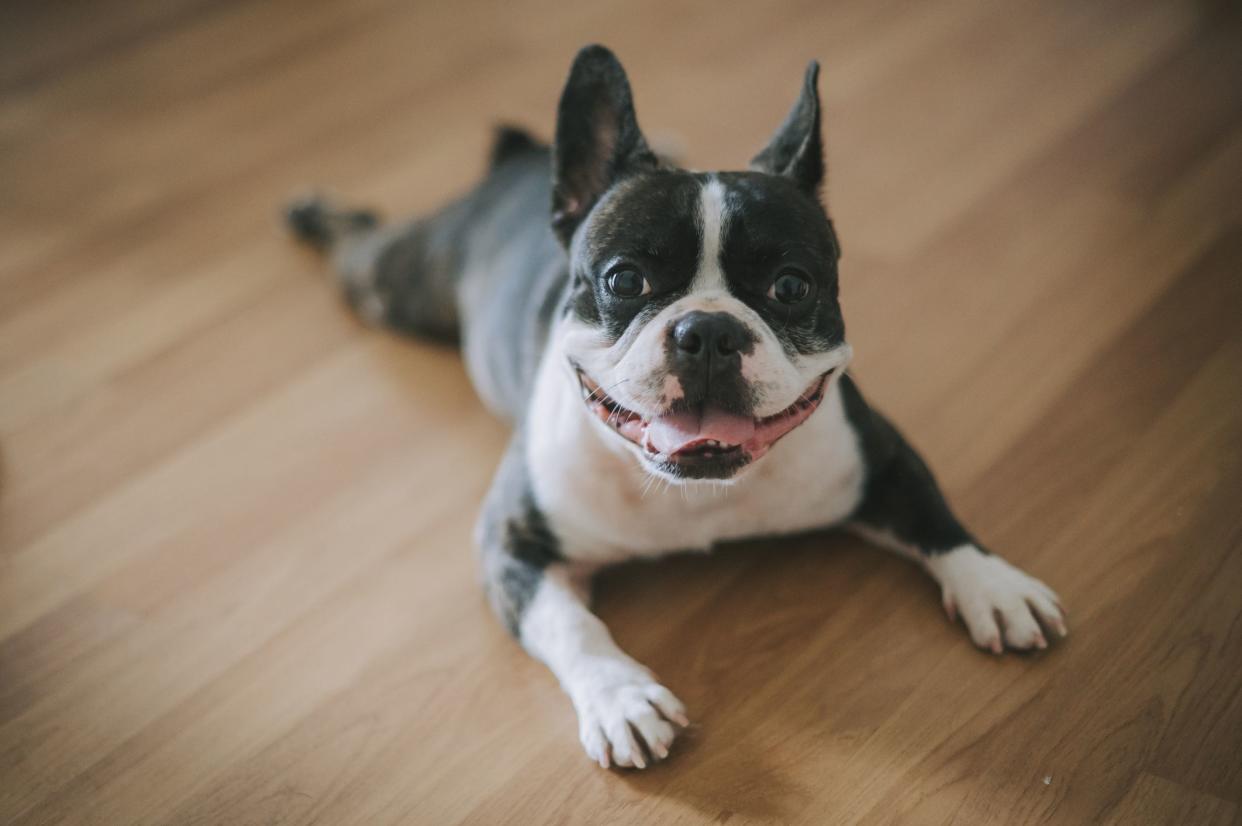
(671, 434)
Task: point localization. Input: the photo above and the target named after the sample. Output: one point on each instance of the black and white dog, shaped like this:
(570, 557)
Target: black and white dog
(659, 328)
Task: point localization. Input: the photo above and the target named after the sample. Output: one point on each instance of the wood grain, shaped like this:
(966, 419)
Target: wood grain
(236, 581)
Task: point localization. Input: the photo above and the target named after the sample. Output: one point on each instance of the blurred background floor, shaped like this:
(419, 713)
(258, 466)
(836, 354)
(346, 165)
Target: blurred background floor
(236, 578)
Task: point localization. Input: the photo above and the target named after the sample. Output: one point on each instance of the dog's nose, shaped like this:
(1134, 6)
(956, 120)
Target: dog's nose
(715, 337)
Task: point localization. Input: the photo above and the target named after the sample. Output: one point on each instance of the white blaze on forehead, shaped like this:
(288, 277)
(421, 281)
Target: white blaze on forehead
(712, 206)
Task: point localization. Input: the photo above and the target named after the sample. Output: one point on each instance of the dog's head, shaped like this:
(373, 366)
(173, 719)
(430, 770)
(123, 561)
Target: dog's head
(702, 321)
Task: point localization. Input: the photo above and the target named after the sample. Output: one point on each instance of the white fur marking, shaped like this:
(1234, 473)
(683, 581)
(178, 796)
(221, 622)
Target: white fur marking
(712, 207)
(982, 587)
(610, 691)
(672, 389)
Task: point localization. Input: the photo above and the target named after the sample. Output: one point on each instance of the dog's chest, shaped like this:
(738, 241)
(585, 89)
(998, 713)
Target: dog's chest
(603, 507)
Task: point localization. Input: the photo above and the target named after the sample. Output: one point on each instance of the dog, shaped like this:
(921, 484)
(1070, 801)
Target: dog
(645, 327)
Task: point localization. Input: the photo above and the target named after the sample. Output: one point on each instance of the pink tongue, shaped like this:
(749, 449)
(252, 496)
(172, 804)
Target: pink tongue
(670, 434)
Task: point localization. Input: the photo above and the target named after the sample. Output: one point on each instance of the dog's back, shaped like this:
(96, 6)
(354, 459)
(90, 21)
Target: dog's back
(485, 271)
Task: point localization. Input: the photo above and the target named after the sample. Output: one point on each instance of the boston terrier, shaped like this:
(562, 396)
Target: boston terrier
(646, 327)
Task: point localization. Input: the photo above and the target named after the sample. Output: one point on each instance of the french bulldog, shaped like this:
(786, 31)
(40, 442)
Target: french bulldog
(646, 327)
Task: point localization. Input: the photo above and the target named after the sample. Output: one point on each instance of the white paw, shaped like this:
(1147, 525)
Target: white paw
(1001, 605)
(625, 719)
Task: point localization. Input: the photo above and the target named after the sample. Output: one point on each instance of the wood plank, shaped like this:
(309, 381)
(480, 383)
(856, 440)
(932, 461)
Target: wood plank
(236, 582)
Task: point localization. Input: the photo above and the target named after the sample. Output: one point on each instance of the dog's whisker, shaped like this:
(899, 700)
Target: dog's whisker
(603, 393)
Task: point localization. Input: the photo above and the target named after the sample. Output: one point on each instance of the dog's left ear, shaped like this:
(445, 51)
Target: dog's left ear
(796, 151)
(598, 141)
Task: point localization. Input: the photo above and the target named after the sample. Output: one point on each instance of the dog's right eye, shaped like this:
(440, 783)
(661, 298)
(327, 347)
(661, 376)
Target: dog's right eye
(625, 282)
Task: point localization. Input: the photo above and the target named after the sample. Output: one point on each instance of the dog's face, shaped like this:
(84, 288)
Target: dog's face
(702, 323)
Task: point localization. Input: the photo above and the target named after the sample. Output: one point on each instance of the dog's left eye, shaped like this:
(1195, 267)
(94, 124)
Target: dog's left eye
(790, 287)
(627, 283)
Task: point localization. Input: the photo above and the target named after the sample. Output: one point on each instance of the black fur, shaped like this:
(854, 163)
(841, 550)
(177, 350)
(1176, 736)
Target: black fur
(774, 225)
(900, 494)
(796, 150)
(651, 224)
(598, 141)
(510, 142)
(515, 543)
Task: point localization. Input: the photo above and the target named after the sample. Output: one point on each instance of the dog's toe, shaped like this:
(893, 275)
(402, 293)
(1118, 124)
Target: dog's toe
(629, 725)
(1000, 605)
(595, 744)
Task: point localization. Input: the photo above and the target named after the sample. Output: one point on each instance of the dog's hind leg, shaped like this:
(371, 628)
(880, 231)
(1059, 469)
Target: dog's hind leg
(387, 273)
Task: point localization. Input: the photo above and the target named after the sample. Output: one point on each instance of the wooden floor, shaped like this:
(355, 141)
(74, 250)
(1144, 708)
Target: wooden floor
(237, 584)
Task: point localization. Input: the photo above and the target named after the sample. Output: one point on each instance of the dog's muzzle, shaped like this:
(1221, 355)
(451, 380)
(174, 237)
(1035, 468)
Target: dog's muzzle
(703, 442)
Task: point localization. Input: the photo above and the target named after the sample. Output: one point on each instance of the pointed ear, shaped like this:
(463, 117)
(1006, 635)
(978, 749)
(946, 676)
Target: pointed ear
(597, 138)
(796, 151)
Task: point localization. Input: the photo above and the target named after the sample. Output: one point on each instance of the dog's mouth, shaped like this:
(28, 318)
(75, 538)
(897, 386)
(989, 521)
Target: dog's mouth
(708, 444)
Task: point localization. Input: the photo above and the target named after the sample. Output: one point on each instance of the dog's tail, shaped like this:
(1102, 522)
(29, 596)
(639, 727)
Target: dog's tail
(318, 222)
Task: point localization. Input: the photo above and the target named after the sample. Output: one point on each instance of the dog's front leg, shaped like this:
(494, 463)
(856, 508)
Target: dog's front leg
(625, 717)
(902, 508)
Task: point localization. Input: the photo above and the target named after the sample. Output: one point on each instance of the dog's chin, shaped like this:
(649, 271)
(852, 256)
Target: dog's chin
(708, 445)
(726, 468)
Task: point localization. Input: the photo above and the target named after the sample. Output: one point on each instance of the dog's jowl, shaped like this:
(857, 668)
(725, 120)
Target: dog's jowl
(646, 327)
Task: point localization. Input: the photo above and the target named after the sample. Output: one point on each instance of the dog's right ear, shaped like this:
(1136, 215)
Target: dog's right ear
(598, 141)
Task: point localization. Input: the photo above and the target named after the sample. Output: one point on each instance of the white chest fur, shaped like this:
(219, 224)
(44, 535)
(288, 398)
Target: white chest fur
(604, 507)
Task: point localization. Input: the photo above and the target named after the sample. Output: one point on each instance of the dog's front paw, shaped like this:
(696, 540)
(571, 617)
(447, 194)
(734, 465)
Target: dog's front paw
(1001, 605)
(626, 718)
